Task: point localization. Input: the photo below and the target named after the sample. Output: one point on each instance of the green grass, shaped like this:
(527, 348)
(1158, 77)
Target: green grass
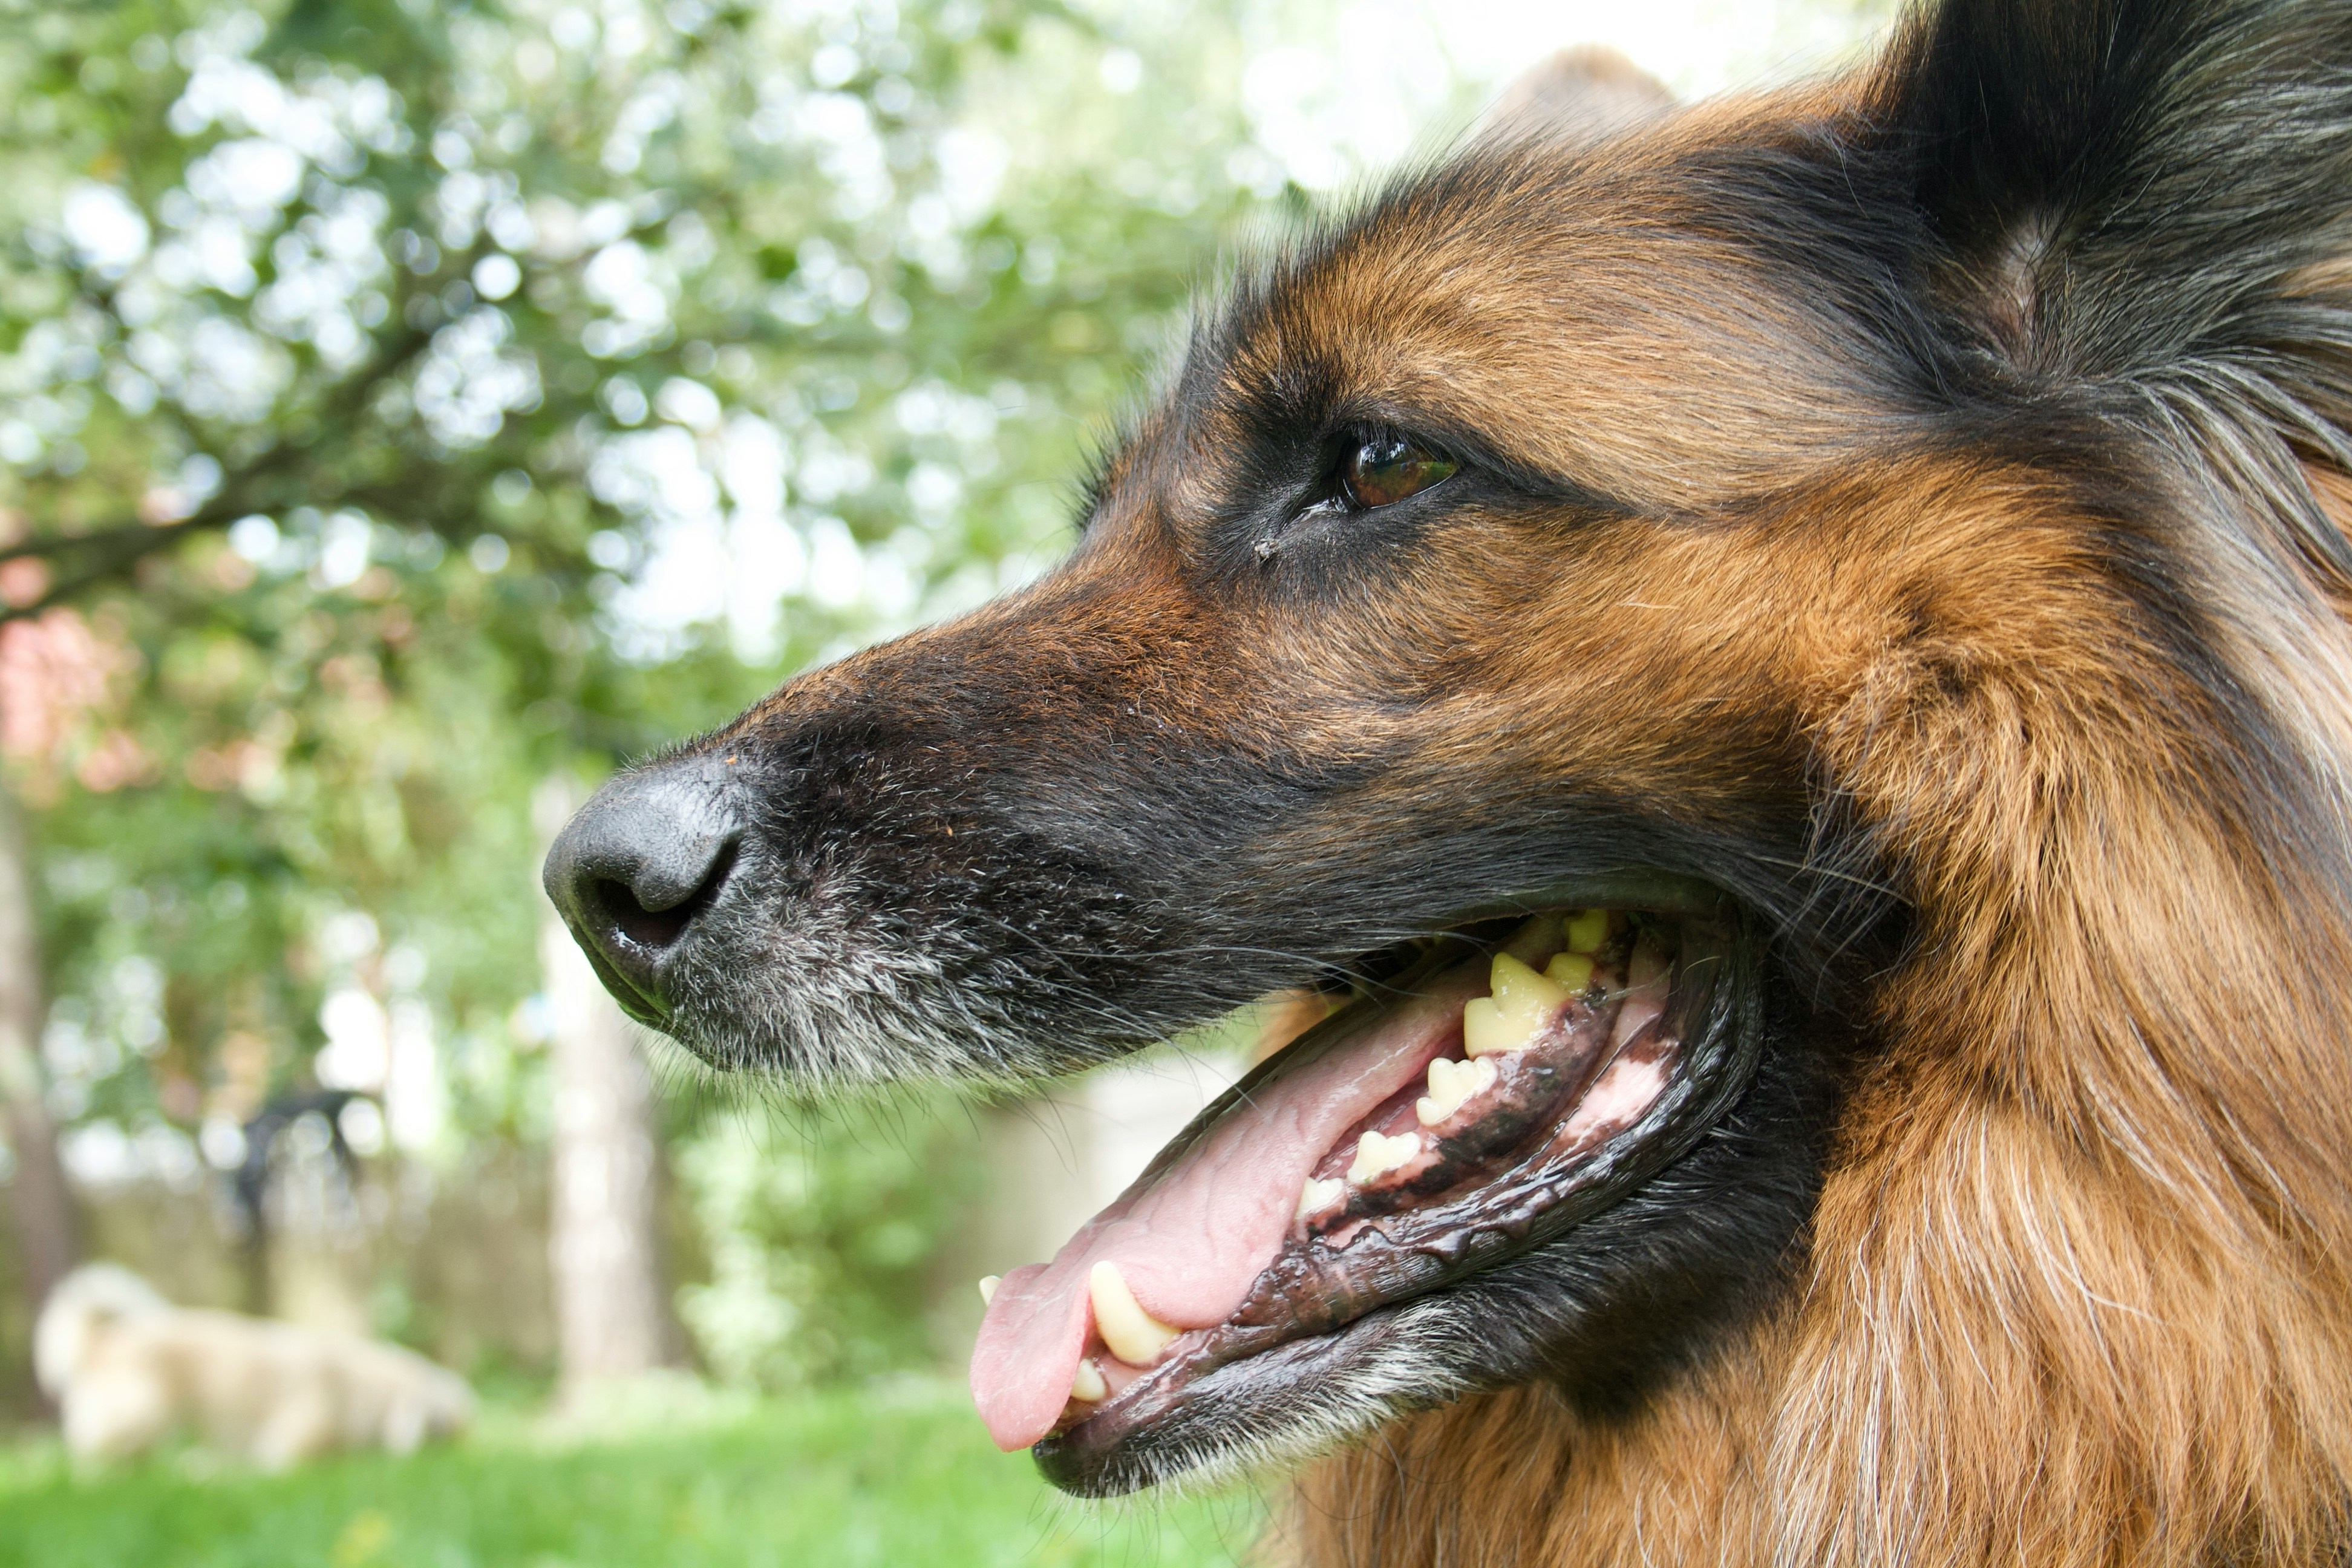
(900, 1478)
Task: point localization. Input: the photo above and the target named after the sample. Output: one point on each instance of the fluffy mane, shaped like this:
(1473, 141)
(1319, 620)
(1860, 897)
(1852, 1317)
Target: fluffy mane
(2075, 1290)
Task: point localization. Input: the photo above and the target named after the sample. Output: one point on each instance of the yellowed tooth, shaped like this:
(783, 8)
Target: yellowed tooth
(1438, 1104)
(1484, 1030)
(1089, 1385)
(988, 1284)
(1319, 1194)
(1523, 1004)
(1377, 1154)
(1287, 1014)
(1586, 929)
(1452, 1085)
(1522, 993)
(1134, 1335)
(1572, 970)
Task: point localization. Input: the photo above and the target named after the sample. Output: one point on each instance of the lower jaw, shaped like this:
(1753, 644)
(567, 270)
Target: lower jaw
(1257, 1382)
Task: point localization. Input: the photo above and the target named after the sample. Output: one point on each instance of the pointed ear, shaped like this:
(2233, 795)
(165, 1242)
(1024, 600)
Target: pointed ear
(2140, 211)
(2114, 182)
(1578, 96)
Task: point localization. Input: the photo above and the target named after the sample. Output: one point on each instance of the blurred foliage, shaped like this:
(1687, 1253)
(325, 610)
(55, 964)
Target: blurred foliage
(414, 400)
(402, 402)
(821, 1226)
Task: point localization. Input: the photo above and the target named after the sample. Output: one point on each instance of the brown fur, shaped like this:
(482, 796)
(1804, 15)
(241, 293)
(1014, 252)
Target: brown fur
(1880, 534)
(2077, 1289)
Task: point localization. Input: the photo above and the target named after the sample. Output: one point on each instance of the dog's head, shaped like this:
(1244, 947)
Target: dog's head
(77, 1314)
(1794, 598)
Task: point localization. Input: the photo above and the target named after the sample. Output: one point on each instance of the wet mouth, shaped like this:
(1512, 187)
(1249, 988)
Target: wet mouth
(1514, 1078)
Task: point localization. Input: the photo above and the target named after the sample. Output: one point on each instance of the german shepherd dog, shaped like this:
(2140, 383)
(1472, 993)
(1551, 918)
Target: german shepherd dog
(1782, 677)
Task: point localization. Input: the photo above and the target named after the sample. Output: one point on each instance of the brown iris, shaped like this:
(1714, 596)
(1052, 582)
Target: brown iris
(1385, 469)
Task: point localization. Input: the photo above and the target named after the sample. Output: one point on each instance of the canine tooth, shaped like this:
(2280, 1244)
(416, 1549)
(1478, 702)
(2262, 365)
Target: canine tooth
(1319, 1194)
(1377, 1154)
(988, 1284)
(1134, 1335)
(1287, 1014)
(1088, 1386)
(1574, 970)
(1586, 929)
(1452, 1085)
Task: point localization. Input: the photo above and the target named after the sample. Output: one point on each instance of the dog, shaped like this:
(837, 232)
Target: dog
(1781, 674)
(128, 1369)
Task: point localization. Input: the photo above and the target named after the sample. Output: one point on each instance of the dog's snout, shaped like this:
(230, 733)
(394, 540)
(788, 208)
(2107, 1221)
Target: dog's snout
(643, 861)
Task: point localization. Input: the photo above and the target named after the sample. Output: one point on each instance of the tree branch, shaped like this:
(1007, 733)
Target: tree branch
(107, 553)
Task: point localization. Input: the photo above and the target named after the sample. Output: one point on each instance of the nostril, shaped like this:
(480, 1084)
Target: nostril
(625, 909)
(654, 850)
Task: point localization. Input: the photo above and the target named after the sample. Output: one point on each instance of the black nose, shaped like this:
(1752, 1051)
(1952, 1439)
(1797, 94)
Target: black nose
(645, 858)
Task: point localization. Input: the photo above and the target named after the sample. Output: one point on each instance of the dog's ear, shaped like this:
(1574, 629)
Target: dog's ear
(2120, 182)
(1578, 96)
(2147, 204)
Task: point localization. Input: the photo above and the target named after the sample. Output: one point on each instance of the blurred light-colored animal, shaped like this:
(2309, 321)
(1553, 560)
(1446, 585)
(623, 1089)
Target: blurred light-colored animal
(127, 1368)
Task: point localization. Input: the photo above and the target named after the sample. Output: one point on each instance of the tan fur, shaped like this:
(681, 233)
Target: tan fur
(128, 1370)
(2078, 1291)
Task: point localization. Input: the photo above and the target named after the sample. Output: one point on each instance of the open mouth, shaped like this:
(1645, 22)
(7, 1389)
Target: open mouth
(1513, 1077)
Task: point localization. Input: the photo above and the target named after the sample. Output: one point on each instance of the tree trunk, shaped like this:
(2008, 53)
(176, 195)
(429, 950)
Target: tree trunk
(611, 1318)
(40, 1206)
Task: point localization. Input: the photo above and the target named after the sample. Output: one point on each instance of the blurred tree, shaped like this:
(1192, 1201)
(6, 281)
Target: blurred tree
(603, 1237)
(41, 1209)
(823, 1223)
(403, 403)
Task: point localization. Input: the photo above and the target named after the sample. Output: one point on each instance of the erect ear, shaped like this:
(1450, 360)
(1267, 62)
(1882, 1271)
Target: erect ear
(2144, 207)
(1579, 96)
(2120, 182)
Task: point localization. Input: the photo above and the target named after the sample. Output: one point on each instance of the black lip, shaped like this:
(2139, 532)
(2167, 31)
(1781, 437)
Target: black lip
(638, 1005)
(1160, 1423)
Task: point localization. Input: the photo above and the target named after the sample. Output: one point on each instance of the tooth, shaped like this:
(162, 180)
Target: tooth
(1485, 1030)
(1376, 1155)
(1134, 1335)
(1319, 1194)
(1439, 1103)
(988, 1284)
(1089, 1385)
(1586, 929)
(1523, 1004)
(1286, 1015)
(1452, 1085)
(1574, 970)
(1522, 993)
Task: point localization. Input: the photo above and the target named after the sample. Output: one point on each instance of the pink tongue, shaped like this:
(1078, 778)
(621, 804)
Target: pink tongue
(1192, 1240)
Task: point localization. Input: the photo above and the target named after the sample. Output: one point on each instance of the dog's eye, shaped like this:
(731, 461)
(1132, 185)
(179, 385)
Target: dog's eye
(1386, 468)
